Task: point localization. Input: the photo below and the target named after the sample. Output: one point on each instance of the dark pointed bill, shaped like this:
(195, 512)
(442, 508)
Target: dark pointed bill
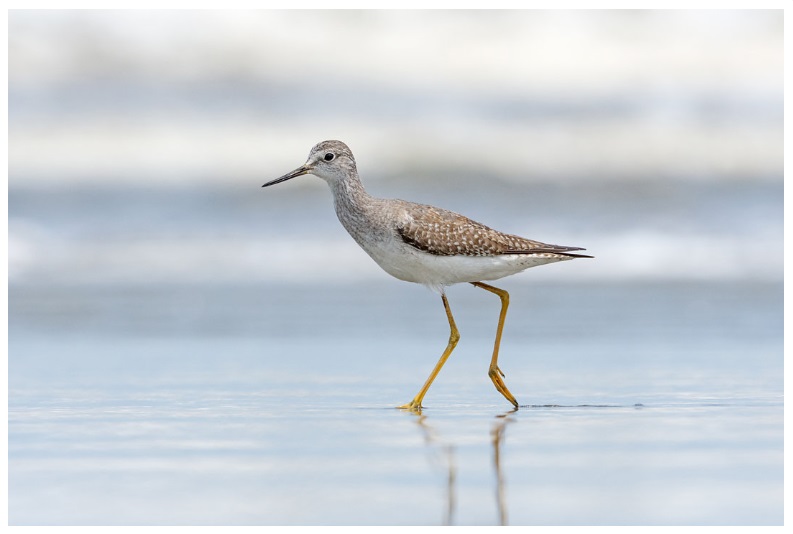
(300, 171)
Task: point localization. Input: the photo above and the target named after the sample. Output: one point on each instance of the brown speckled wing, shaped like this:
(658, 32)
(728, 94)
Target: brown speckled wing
(445, 233)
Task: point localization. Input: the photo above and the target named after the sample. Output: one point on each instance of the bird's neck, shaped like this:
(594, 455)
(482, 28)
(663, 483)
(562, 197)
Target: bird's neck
(349, 194)
(351, 202)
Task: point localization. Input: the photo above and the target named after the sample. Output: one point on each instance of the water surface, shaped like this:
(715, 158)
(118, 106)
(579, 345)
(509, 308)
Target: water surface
(275, 405)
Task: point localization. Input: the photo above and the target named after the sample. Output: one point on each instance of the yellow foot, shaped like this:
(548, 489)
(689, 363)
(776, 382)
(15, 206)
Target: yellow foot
(496, 375)
(412, 406)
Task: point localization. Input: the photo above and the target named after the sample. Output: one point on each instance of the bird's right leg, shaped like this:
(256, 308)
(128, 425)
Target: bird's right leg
(454, 337)
(495, 373)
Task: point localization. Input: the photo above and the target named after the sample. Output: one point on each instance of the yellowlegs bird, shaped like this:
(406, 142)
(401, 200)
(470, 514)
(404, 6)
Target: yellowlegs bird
(426, 245)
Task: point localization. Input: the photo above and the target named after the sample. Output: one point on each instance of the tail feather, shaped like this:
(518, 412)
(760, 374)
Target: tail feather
(551, 249)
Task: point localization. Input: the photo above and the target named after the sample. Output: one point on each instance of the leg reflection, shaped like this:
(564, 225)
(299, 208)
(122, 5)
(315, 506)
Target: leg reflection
(443, 453)
(446, 450)
(497, 435)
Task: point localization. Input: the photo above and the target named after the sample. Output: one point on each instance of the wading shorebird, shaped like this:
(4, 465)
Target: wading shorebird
(427, 245)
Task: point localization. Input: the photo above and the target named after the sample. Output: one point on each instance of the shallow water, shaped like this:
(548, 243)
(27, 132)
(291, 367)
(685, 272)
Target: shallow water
(274, 405)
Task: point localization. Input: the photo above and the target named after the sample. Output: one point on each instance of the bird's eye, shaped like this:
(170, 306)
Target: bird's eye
(329, 156)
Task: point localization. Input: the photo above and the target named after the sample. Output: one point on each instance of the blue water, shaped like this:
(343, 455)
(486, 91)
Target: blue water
(640, 404)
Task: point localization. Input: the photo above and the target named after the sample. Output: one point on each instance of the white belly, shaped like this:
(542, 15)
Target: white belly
(412, 265)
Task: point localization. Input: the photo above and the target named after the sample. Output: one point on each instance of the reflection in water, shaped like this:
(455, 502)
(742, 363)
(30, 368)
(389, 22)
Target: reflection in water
(447, 452)
(436, 444)
(498, 440)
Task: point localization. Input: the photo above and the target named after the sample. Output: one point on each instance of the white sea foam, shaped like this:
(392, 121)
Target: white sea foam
(35, 256)
(565, 95)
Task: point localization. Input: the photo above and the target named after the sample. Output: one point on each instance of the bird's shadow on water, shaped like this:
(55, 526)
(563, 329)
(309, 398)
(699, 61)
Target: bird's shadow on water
(442, 452)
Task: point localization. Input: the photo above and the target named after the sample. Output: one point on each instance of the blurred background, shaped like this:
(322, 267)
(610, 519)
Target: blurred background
(138, 140)
(146, 261)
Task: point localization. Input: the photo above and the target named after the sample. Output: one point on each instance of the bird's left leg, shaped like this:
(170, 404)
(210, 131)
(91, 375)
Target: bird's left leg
(495, 374)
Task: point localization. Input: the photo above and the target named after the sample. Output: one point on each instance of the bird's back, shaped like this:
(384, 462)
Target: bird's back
(446, 233)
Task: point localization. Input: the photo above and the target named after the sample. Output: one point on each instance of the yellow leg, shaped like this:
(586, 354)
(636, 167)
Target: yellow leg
(454, 337)
(495, 374)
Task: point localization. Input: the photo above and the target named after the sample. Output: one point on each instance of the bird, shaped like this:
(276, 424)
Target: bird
(427, 245)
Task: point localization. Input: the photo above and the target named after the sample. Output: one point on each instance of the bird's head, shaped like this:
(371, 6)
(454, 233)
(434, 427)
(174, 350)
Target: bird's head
(330, 160)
